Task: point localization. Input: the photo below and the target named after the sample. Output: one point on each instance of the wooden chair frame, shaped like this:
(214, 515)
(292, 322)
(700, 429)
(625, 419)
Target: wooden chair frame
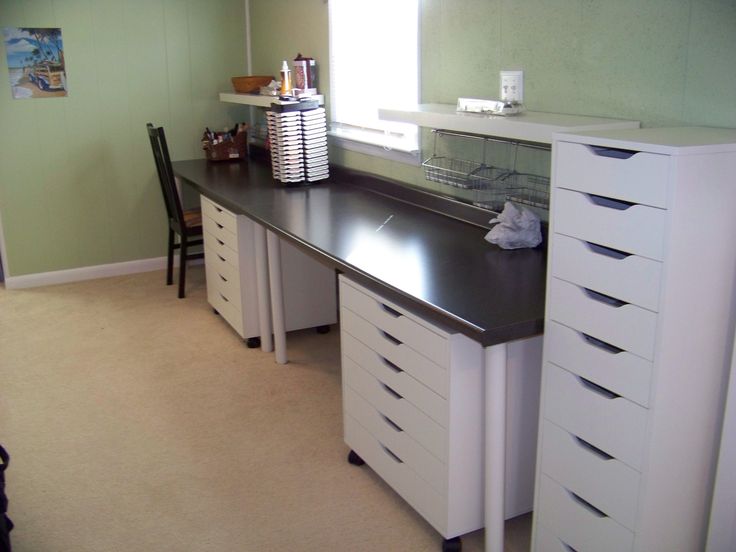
(185, 224)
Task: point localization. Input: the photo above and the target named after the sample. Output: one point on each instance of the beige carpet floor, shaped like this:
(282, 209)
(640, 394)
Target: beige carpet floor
(136, 421)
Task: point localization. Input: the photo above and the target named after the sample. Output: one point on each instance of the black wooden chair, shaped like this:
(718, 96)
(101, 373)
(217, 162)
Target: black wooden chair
(185, 224)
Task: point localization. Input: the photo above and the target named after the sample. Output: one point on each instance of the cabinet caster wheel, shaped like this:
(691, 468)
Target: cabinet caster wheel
(216, 312)
(323, 329)
(354, 459)
(452, 545)
(253, 342)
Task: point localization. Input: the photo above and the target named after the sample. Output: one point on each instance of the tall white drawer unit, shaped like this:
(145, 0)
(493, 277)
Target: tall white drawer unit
(309, 287)
(413, 411)
(639, 326)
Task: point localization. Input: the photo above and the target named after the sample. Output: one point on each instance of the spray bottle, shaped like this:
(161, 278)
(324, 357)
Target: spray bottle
(286, 87)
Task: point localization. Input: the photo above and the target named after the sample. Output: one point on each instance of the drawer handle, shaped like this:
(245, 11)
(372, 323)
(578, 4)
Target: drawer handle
(220, 241)
(595, 388)
(225, 298)
(609, 203)
(601, 344)
(220, 226)
(603, 298)
(567, 547)
(393, 425)
(582, 443)
(221, 257)
(391, 365)
(607, 251)
(390, 338)
(391, 454)
(613, 153)
(391, 392)
(222, 278)
(389, 310)
(587, 505)
(218, 209)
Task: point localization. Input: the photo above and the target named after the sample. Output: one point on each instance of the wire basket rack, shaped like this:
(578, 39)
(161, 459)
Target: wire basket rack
(492, 185)
(450, 171)
(521, 188)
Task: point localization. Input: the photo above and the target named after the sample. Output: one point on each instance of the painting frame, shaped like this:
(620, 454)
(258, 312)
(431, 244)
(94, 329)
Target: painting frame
(36, 65)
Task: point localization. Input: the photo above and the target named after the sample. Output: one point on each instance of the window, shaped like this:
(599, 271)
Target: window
(374, 62)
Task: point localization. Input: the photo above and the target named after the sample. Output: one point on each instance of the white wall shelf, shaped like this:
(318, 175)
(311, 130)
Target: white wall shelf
(256, 100)
(530, 126)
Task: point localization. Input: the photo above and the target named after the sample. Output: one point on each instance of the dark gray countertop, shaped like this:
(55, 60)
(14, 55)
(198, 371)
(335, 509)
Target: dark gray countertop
(434, 265)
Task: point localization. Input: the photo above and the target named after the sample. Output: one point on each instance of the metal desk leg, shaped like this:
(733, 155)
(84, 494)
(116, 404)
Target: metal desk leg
(264, 302)
(495, 445)
(277, 296)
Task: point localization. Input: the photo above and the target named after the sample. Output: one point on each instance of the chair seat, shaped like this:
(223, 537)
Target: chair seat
(193, 217)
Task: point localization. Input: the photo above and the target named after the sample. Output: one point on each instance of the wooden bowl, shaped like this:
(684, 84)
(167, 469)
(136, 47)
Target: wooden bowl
(250, 84)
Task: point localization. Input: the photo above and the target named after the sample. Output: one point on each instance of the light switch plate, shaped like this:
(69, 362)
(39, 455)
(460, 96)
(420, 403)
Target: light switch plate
(512, 86)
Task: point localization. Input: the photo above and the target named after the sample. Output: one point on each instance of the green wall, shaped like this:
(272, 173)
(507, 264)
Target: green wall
(662, 62)
(77, 179)
(77, 182)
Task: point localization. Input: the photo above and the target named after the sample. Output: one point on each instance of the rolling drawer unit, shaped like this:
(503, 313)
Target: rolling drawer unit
(638, 328)
(230, 271)
(229, 246)
(413, 410)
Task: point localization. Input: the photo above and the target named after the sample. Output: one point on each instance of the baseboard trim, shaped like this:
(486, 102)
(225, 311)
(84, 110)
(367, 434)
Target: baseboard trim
(86, 273)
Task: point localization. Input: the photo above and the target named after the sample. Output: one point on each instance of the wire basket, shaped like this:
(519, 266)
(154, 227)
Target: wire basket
(448, 170)
(492, 185)
(486, 176)
(524, 189)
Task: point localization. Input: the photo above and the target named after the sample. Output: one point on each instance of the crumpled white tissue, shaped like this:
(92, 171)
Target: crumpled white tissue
(517, 227)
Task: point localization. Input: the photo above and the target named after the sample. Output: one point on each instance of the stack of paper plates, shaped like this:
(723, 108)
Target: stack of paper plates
(298, 145)
(314, 132)
(285, 134)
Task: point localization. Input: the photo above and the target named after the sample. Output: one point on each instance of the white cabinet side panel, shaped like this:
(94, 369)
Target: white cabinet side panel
(694, 347)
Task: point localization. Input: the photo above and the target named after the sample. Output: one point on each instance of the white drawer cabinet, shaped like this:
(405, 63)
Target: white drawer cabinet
(413, 410)
(412, 401)
(309, 287)
(230, 267)
(639, 321)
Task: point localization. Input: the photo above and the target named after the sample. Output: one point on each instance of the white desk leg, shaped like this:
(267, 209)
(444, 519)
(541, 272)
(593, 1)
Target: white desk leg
(264, 302)
(277, 296)
(495, 437)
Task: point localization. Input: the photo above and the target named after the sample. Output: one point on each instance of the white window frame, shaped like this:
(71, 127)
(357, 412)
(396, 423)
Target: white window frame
(373, 141)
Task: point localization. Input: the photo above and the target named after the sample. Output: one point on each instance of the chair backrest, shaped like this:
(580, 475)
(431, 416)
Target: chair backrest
(166, 178)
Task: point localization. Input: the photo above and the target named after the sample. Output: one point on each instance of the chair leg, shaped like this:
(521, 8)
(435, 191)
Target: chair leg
(170, 260)
(182, 266)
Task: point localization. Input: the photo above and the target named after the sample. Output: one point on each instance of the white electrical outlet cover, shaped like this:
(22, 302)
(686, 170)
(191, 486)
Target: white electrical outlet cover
(512, 86)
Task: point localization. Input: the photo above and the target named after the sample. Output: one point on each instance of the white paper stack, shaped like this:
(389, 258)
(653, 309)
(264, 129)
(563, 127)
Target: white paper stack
(285, 134)
(314, 132)
(298, 145)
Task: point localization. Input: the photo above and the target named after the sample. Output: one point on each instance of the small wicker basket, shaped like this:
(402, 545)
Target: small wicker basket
(250, 84)
(228, 150)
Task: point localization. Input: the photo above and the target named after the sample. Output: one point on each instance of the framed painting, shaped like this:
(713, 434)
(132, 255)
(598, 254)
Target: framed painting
(35, 62)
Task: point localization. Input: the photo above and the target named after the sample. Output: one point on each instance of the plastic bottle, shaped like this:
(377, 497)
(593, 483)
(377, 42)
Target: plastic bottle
(286, 87)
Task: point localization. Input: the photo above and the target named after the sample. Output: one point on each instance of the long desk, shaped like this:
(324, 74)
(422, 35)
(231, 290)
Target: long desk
(421, 257)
